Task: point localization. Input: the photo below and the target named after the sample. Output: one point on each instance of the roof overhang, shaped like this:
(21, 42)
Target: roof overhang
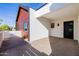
(68, 11)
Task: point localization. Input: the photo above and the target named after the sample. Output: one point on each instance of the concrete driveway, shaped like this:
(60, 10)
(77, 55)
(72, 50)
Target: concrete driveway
(51, 46)
(16, 46)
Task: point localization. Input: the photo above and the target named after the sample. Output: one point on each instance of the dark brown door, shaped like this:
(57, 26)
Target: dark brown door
(68, 29)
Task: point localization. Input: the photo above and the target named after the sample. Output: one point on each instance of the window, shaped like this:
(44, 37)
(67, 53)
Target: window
(25, 26)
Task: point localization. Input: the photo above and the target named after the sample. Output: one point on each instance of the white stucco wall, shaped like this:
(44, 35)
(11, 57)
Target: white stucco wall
(39, 28)
(8, 34)
(77, 29)
(45, 9)
(58, 30)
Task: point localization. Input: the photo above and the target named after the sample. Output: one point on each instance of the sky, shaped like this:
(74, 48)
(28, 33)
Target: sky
(8, 11)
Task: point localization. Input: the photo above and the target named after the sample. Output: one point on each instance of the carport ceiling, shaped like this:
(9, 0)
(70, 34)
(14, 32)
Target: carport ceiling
(68, 11)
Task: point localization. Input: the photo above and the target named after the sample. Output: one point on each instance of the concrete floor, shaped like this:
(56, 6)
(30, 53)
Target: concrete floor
(15, 46)
(57, 46)
(47, 46)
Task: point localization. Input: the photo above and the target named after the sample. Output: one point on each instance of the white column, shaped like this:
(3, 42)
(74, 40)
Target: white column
(78, 28)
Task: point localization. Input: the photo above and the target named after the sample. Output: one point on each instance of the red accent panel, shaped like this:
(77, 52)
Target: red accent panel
(23, 17)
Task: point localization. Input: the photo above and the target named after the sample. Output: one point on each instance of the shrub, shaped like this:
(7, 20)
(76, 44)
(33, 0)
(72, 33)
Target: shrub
(4, 27)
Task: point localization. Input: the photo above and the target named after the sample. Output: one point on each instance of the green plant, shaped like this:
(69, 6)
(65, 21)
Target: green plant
(4, 27)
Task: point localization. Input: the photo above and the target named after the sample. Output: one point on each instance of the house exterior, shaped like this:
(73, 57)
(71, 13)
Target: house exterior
(60, 14)
(53, 19)
(22, 21)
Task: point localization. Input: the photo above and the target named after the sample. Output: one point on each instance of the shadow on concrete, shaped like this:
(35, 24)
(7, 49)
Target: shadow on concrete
(16, 46)
(63, 47)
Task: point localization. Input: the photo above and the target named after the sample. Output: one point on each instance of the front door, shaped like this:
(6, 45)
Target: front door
(68, 29)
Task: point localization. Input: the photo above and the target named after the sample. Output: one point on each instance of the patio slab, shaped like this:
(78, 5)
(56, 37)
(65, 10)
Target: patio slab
(57, 46)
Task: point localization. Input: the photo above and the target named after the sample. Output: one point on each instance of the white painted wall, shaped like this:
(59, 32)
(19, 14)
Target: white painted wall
(39, 28)
(8, 34)
(58, 30)
(45, 9)
(77, 29)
